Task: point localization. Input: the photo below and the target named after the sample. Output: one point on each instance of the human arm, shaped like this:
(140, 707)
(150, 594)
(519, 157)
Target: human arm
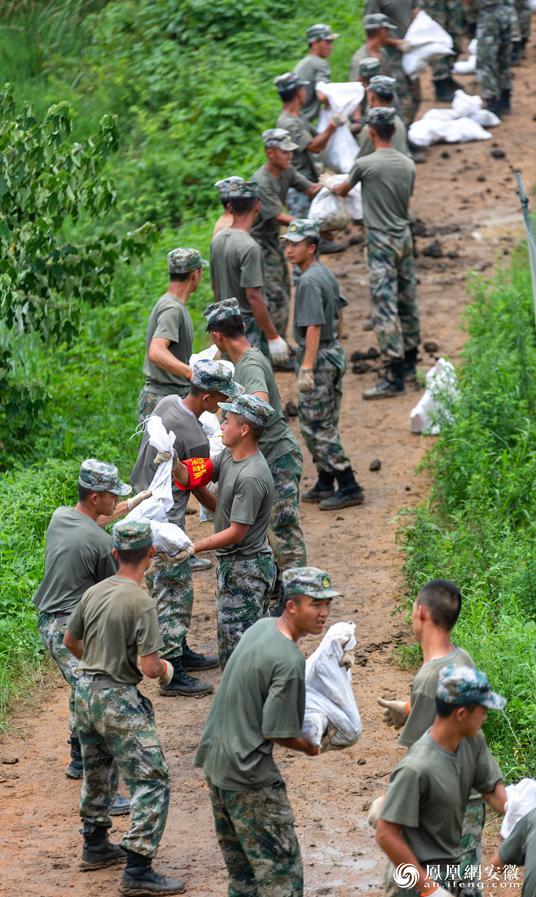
(205, 497)
(513, 849)
(389, 839)
(496, 799)
(321, 140)
(298, 744)
(259, 310)
(312, 344)
(232, 535)
(123, 507)
(153, 666)
(74, 645)
(160, 355)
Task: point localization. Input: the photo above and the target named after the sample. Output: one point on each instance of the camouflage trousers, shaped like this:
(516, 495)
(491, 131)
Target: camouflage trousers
(52, 629)
(471, 844)
(393, 287)
(255, 831)
(148, 400)
(255, 336)
(524, 18)
(319, 410)
(276, 283)
(494, 53)
(117, 725)
(408, 89)
(171, 586)
(392, 889)
(243, 589)
(287, 540)
(450, 15)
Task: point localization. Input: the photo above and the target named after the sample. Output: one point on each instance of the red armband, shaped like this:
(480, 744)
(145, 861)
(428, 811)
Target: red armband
(200, 472)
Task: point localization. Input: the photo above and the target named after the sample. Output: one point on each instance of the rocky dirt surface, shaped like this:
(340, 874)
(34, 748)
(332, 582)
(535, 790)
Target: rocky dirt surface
(469, 220)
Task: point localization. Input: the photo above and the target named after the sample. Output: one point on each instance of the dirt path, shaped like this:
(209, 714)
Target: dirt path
(463, 190)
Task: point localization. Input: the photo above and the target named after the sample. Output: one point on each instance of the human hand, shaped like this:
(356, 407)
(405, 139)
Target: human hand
(306, 380)
(395, 713)
(279, 350)
(137, 499)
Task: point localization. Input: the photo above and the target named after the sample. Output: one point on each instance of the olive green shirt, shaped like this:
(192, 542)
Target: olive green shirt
(302, 132)
(364, 53)
(169, 320)
(255, 373)
(387, 179)
(245, 495)
(429, 790)
(261, 696)
(317, 301)
(398, 11)
(236, 265)
(78, 554)
(313, 69)
(519, 849)
(117, 621)
(399, 141)
(272, 194)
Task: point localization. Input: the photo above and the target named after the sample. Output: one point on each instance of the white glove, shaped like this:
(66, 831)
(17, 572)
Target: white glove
(306, 380)
(279, 351)
(166, 677)
(161, 457)
(137, 499)
(375, 810)
(395, 713)
(339, 118)
(405, 46)
(347, 660)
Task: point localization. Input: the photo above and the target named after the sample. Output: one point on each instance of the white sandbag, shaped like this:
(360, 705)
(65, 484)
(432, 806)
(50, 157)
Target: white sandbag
(465, 105)
(429, 130)
(429, 42)
(521, 799)
(472, 49)
(161, 500)
(344, 96)
(169, 537)
(465, 66)
(441, 389)
(532, 4)
(330, 705)
(205, 355)
(335, 212)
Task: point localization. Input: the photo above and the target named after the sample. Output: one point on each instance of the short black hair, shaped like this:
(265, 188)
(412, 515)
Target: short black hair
(242, 204)
(196, 390)
(289, 94)
(254, 429)
(132, 555)
(311, 240)
(384, 132)
(287, 598)
(372, 32)
(444, 709)
(84, 492)
(443, 599)
(230, 327)
(180, 278)
(381, 96)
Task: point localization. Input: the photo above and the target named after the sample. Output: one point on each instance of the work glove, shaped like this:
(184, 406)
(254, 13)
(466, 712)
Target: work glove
(347, 660)
(405, 46)
(279, 350)
(166, 678)
(375, 810)
(339, 118)
(161, 457)
(395, 713)
(172, 560)
(437, 891)
(137, 499)
(306, 380)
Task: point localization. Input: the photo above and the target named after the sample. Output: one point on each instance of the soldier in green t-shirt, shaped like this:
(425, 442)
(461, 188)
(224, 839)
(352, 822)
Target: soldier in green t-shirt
(381, 92)
(170, 333)
(377, 28)
(519, 849)
(114, 633)
(261, 702)
(421, 818)
(315, 66)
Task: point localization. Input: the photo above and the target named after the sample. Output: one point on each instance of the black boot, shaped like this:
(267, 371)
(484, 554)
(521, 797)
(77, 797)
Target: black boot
(445, 90)
(410, 362)
(418, 153)
(139, 878)
(75, 770)
(97, 851)
(391, 385)
(184, 684)
(504, 102)
(192, 660)
(323, 488)
(349, 493)
(493, 104)
(517, 53)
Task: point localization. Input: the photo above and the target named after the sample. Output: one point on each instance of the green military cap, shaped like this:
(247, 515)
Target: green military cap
(214, 376)
(226, 184)
(280, 138)
(221, 311)
(289, 81)
(253, 409)
(381, 115)
(462, 686)
(368, 67)
(131, 534)
(308, 581)
(383, 86)
(182, 261)
(244, 190)
(377, 20)
(320, 32)
(301, 228)
(102, 477)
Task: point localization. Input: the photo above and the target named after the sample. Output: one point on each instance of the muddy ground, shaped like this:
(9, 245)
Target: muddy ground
(466, 199)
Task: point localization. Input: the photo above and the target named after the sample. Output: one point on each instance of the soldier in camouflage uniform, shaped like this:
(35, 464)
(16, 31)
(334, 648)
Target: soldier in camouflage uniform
(387, 179)
(321, 366)
(315, 67)
(223, 187)
(449, 14)
(260, 702)
(368, 68)
(246, 571)
(494, 53)
(170, 333)
(113, 629)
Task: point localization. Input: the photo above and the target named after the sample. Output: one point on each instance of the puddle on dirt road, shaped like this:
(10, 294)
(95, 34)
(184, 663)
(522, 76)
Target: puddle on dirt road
(341, 869)
(495, 226)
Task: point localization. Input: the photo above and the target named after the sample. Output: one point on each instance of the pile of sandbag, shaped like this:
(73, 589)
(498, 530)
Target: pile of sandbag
(464, 122)
(336, 212)
(467, 66)
(434, 405)
(521, 799)
(429, 41)
(344, 97)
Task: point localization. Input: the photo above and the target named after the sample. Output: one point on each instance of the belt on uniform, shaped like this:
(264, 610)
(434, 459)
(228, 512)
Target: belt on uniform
(100, 680)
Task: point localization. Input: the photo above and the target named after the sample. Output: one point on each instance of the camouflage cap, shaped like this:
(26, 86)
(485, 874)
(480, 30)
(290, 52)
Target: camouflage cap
(383, 86)
(253, 409)
(377, 20)
(221, 311)
(182, 261)
(368, 67)
(321, 32)
(464, 685)
(289, 81)
(102, 477)
(301, 228)
(244, 190)
(308, 581)
(279, 138)
(381, 115)
(131, 534)
(226, 184)
(214, 376)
